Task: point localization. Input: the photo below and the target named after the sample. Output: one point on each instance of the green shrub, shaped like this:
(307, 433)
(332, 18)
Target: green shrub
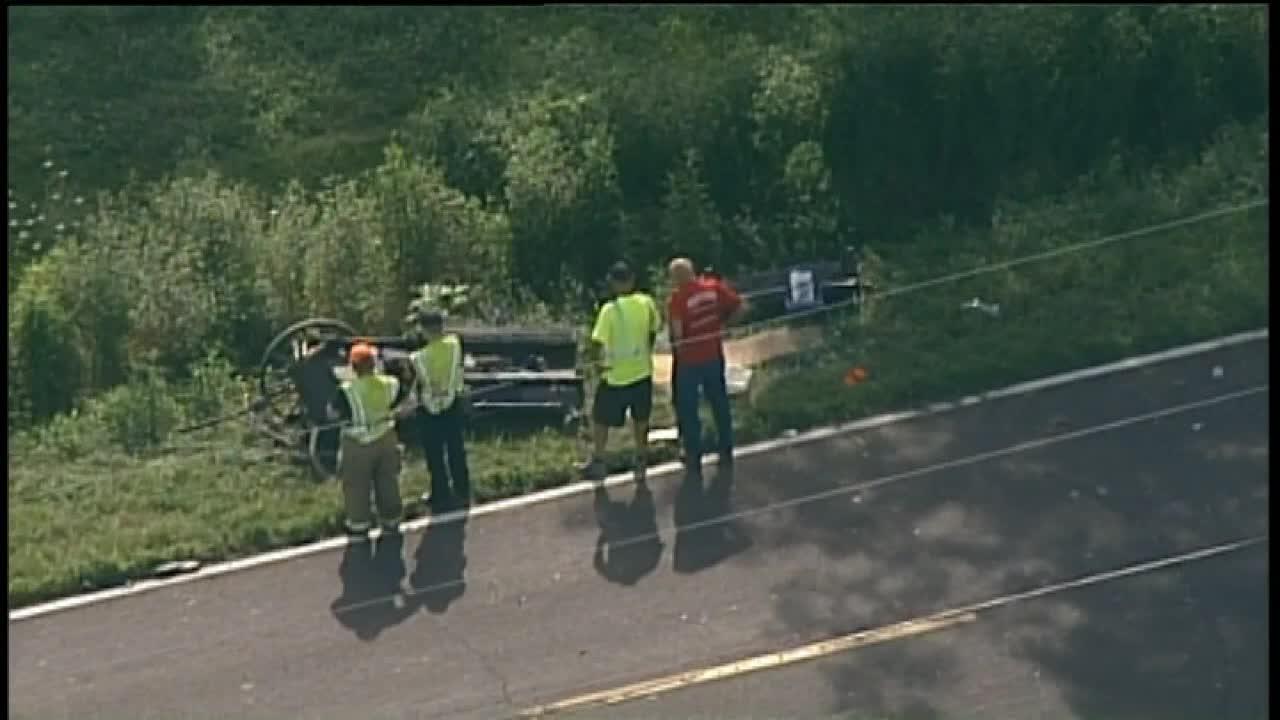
(44, 361)
(559, 184)
(213, 390)
(140, 415)
(68, 437)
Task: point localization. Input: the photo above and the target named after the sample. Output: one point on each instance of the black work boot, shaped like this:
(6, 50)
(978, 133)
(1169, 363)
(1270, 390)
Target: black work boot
(441, 502)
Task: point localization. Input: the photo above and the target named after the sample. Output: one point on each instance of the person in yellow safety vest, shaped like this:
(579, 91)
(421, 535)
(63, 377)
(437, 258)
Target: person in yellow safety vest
(437, 368)
(622, 340)
(369, 453)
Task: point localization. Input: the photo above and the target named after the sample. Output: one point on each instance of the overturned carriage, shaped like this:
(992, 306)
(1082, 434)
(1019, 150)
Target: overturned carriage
(510, 373)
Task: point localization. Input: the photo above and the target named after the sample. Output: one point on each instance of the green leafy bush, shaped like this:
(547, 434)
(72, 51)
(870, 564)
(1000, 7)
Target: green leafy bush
(44, 362)
(140, 415)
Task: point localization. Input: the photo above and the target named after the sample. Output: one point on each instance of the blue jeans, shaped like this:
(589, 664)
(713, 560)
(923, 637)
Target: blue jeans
(707, 378)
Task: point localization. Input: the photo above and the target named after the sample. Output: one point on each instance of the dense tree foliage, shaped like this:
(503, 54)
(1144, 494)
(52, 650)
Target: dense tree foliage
(186, 180)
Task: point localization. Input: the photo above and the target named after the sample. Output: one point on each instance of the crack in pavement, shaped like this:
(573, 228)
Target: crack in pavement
(490, 668)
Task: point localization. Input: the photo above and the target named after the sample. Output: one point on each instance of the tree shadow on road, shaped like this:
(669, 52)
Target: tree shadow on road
(372, 598)
(439, 578)
(705, 536)
(1183, 645)
(1186, 643)
(629, 546)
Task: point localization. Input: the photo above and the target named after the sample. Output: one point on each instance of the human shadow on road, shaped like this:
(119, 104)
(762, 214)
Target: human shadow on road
(439, 577)
(705, 535)
(372, 598)
(628, 547)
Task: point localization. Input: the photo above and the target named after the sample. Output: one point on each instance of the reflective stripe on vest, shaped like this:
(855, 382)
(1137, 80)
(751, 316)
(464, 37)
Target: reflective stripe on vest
(437, 396)
(371, 417)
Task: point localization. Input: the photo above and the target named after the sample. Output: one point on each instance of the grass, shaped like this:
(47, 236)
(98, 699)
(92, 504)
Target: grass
(104, 517)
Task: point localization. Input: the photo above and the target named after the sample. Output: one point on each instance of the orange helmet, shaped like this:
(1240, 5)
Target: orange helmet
(361, 354)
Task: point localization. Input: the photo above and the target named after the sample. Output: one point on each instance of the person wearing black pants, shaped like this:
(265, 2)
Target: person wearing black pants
(441, 439)
(439, 382)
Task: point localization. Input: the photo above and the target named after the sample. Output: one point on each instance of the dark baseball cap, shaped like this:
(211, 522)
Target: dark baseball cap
(430, 318)
(620, 271)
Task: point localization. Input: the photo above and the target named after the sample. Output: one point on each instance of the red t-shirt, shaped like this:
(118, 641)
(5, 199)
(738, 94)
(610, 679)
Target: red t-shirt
(701, 306)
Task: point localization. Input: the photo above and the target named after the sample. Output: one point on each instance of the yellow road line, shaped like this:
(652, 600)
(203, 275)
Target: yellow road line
(770, 661)
(907, 628)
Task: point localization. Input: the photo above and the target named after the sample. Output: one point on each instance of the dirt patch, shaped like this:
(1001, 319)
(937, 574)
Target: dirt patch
(751, 350)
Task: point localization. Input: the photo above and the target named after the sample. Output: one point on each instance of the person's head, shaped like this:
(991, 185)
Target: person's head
(431, 324)
(621, 279)
(361, 357)
(680, 271)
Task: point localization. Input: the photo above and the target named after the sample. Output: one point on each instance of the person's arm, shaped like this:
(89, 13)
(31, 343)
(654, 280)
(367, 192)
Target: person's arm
(675, 323)
(408, 382)
(599, 337)
(460, 367)
(733, 304)
(402, 401)
(655, 322)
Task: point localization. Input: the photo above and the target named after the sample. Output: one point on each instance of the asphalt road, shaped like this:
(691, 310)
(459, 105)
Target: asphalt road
(506, 611)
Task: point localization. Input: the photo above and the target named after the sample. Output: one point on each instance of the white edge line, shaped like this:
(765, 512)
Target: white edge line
(578, 488)
(842, 488)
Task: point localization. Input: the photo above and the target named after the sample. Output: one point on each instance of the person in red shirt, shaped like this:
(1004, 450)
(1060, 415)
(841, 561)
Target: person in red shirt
(698, 310)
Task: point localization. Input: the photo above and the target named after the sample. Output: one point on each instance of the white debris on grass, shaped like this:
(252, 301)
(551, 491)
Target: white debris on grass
(738, 378)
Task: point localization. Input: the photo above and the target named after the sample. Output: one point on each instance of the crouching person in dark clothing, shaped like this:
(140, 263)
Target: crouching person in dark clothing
(439, 383)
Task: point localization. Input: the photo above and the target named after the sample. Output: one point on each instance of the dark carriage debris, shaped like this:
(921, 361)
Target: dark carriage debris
(804, 286)
(509, 372)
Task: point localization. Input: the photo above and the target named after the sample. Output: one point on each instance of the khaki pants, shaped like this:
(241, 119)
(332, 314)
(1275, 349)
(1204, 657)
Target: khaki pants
(371, 469)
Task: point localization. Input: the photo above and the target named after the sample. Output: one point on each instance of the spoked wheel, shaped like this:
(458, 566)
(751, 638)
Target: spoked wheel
(283, 408)
(322, 450)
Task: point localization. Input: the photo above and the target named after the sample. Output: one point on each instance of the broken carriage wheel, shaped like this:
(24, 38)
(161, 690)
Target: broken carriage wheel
(289, 416)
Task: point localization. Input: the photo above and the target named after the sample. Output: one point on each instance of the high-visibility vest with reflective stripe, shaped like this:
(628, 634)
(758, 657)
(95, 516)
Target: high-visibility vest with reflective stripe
(439, 369)
(371, 398)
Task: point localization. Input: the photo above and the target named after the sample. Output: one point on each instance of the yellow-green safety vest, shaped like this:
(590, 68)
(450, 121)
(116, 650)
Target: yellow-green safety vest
(624, 327)
(371, 399)
(439, 369)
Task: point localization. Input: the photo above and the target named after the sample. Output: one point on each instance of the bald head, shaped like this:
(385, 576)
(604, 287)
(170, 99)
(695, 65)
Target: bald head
(680, 270)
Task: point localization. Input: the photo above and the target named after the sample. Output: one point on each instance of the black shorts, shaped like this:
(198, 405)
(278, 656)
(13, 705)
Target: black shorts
(614, 401)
